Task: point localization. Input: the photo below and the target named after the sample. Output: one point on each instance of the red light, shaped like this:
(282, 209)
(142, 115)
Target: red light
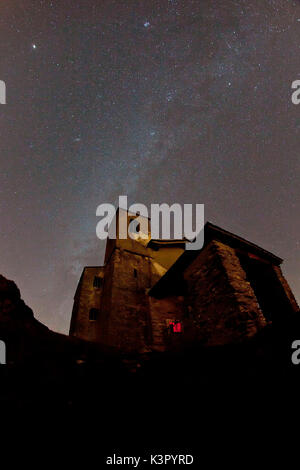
(175, 326)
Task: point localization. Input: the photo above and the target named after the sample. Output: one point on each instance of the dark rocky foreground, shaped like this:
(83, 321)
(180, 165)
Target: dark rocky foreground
(194, 397)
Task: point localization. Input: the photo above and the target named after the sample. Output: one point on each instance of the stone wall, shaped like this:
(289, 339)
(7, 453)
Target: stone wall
(128, 316)
(212, 298)
(287, 289)
(219, 297)
(87, 297)
(124, 320)
(162, 311)
(131, 324)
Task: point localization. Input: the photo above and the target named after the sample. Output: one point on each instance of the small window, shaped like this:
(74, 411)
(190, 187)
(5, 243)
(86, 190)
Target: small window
(97, 281)
(175, 326)
(94, 312)
(135, 272)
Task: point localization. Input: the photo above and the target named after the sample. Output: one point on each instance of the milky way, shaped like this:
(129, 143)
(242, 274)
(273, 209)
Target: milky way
(165, 101)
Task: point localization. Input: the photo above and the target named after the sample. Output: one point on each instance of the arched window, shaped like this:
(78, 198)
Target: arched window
(93, 315)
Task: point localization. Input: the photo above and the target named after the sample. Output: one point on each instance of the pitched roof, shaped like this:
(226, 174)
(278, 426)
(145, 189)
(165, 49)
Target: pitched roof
(211, 232)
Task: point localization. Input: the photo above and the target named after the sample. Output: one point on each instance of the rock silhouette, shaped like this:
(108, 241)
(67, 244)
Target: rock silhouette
(51, 373)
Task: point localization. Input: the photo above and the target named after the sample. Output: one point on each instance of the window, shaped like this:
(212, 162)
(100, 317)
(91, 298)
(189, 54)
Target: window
(135, 272)
(93, 315)
(175, 326)
(97, 281)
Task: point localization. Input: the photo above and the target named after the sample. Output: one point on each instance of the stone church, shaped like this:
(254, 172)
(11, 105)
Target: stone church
(153, 295)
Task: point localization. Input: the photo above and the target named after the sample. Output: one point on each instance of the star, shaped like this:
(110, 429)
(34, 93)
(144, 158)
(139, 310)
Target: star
(34, 46)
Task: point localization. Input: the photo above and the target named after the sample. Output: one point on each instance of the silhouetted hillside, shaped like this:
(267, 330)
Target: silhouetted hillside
(50, 373)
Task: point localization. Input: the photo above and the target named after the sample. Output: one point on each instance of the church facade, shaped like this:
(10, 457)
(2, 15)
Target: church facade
(153, 295)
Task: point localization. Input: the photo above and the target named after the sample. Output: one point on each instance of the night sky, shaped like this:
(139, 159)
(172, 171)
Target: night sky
(185, 101)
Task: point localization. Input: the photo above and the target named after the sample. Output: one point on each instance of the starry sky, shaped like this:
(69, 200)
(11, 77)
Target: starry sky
(185, 101)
